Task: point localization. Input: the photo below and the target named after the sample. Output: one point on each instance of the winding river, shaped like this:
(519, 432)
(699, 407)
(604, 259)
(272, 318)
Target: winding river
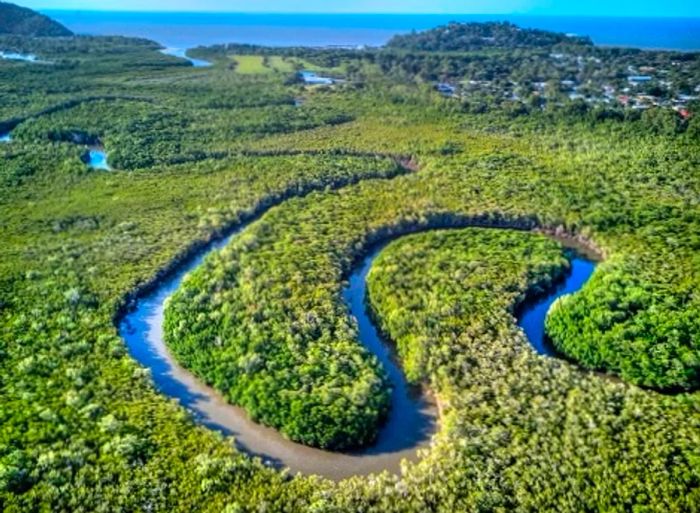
(413, 418)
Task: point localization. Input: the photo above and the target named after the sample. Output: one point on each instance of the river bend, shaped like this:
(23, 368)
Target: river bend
(413, 417)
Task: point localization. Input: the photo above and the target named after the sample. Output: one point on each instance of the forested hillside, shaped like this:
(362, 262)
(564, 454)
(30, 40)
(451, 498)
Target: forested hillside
(21, 21)
(463, 37)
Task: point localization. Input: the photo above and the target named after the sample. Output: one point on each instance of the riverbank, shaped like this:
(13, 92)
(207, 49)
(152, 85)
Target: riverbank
(410, 425)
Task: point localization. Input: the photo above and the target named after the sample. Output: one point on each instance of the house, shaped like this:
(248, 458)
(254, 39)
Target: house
(683, 112)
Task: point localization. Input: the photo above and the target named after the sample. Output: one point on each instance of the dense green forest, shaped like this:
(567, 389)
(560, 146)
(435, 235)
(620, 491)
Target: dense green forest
(531, 432)
(325, 173)
(477, 36)
(25, 22)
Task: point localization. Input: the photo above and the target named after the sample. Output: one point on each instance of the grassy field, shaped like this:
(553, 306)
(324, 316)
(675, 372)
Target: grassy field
(281, 65)
(251, 65)
(259, 64)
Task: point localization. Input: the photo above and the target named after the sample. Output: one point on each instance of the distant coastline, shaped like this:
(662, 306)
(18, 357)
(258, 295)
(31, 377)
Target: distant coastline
(186, 30)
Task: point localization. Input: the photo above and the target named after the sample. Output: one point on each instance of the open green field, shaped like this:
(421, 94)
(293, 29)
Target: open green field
(251, 65)
(263, 64)
(281, 65)
(612, 425)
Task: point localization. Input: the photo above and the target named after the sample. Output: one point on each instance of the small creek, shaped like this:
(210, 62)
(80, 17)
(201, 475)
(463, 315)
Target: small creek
(311, 78)
(413, 417)
(14, 56)
(182, 53)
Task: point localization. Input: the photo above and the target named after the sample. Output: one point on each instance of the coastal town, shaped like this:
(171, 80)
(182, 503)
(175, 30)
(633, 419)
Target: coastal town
(587, 79)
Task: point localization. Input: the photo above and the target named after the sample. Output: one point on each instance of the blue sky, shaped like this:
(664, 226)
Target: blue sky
(684, 8)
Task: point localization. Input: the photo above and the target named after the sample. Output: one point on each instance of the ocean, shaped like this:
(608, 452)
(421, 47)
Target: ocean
(186, 30)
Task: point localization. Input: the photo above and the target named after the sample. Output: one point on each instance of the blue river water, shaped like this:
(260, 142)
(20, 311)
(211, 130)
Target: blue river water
(410, 425)
(181, 52)
(409, 421)
(532, 316)
(97, 159)
(186, 30)
(13, 56)
(309, 77)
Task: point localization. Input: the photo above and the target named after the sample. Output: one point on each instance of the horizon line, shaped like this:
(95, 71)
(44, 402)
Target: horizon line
(365, 13)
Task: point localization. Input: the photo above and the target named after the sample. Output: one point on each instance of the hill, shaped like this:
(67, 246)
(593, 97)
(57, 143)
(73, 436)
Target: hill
(460, 37)
(21, 21)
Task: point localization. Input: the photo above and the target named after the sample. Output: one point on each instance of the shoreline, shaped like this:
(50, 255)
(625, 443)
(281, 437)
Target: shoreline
(372, 30)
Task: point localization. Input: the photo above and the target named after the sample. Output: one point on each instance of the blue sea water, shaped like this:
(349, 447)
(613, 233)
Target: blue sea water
(186, 30)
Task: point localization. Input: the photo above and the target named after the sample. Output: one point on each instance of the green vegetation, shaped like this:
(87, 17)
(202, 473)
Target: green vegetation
(145, 135)
(25, 22)
(471, 279)
(280, 64)
(250, 64)
(314, 384)
(610, 325)
(477, 36)
(522, 432)
(498, 66)
(93, 238)
(198, 151)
